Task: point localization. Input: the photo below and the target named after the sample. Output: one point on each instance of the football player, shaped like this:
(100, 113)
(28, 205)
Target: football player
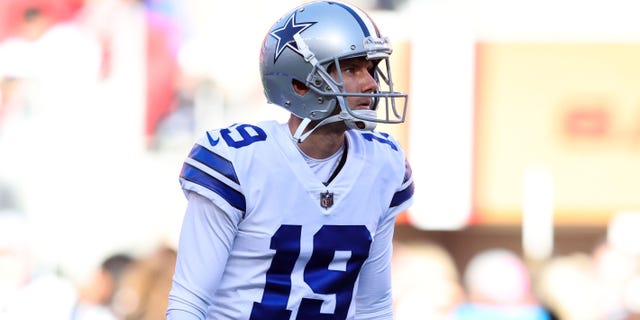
(295, 220)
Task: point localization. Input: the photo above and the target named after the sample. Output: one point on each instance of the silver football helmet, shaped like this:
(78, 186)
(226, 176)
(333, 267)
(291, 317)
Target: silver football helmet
(304, 43)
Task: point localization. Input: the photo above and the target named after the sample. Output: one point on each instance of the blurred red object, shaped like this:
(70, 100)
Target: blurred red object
(11, 12)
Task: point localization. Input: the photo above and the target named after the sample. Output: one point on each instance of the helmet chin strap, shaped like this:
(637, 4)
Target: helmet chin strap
(359, 124)
(349, 120)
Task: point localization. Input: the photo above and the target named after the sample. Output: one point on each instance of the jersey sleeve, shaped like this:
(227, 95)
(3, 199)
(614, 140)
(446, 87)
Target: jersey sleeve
(374, 296)
(403, 198)
(404, 187)
(205, 242)
(209, 171)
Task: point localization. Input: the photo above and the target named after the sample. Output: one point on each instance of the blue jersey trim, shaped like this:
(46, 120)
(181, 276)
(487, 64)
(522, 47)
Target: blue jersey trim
(401, 196)
(197, 176)
(214, 161)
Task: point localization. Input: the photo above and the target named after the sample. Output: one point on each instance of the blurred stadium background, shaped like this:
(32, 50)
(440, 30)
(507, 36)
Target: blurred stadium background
(523, 130)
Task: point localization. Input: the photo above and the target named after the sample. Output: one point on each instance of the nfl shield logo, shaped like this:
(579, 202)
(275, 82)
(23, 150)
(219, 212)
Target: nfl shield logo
(326, 199)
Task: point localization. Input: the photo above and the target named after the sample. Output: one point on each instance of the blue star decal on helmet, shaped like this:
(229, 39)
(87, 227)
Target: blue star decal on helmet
(285, 35)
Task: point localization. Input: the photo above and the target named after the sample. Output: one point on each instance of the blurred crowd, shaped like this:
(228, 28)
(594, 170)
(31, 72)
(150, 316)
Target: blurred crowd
(87, 91)
(499, 284)
(123, 286)
(59, 57)
(94, 110)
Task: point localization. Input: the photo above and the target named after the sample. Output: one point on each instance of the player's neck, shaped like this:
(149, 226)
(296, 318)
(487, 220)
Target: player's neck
(321, 146)
(323, 142)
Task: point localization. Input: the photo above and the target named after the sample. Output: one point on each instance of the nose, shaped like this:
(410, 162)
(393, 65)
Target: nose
(367, 84)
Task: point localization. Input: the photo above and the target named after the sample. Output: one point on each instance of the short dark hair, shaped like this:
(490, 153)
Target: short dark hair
(116, 265)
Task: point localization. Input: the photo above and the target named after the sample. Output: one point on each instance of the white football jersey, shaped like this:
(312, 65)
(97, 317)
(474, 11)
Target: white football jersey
(300, 248)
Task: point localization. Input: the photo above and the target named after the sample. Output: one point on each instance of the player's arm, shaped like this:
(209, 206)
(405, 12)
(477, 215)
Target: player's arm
(373, 298)
(205, 242)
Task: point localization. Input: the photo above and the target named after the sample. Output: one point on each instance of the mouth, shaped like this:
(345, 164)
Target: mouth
(362, 105)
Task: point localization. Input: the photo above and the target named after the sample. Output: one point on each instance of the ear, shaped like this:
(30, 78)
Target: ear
(299, 87)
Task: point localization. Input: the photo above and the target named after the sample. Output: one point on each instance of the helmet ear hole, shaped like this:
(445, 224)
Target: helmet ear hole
(299, 87)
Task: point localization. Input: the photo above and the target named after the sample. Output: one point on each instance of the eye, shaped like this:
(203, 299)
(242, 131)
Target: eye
(348, 69)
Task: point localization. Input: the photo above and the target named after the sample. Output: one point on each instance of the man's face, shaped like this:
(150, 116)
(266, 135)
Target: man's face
(357, 74)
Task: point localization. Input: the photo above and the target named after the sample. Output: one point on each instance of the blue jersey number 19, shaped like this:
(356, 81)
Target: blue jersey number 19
(338, 254)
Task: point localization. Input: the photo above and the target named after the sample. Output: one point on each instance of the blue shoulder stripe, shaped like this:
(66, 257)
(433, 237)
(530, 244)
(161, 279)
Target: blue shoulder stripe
(214, 161)
(197, 176)
(402, 196)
